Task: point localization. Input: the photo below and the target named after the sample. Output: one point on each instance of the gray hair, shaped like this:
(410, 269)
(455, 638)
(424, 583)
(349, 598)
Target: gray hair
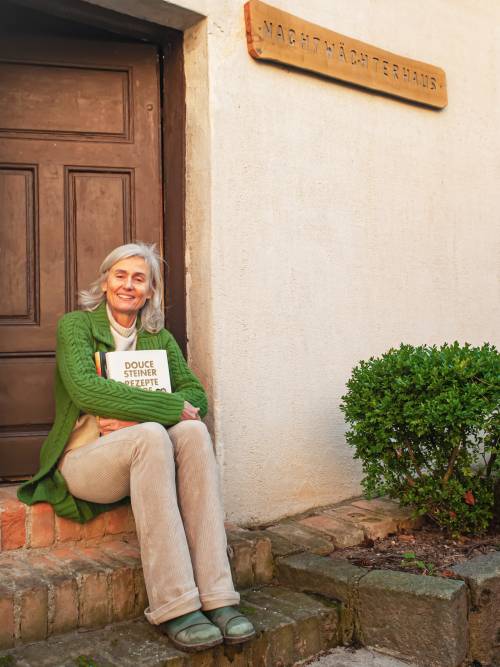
(152, 318)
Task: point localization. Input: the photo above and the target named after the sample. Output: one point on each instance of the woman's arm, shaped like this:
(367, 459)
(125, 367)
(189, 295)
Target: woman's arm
(107, 398)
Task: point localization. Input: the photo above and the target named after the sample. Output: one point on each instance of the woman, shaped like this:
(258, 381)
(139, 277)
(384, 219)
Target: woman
(110, 441)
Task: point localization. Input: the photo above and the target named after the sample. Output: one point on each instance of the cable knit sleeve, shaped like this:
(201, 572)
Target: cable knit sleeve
(107, 398)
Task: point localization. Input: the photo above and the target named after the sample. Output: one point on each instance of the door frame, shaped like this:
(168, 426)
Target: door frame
(173, 129)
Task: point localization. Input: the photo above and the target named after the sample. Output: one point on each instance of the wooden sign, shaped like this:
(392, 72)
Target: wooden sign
(276, 36)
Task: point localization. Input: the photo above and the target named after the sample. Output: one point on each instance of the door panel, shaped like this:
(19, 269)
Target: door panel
(19, 268)
(79, 175)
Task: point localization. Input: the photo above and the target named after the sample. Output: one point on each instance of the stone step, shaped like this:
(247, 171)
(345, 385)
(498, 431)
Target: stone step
(416, 618)
(45, 592)
(291, 627)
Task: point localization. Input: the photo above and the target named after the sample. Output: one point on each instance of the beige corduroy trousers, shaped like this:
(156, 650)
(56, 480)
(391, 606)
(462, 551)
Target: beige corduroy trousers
(172, 478)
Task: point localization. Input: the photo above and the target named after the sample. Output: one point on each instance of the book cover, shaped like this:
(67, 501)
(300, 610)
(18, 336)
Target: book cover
(144, 369)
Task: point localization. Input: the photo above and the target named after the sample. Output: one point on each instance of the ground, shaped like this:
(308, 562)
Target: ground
(427, 551)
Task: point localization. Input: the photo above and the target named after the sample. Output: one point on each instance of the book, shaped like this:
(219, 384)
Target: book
(143, 369)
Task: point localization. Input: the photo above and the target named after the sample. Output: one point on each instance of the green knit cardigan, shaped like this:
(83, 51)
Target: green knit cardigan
(79, 389)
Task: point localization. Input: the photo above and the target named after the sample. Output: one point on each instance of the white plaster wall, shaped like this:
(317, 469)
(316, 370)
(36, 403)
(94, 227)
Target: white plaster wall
(326, 224)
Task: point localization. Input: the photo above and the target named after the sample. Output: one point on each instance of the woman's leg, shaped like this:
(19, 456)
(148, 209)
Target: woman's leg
(139, 461)
(201, 508)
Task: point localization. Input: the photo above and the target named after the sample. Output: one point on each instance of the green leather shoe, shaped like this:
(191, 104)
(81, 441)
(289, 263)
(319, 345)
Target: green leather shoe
(235, 627)
(192, 632)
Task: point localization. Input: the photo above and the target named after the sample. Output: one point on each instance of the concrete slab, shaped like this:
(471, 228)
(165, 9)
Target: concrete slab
(347, 657)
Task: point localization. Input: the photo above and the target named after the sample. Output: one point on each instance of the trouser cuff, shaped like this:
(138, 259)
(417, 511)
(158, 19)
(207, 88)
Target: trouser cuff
(216, 600)
(190, 601)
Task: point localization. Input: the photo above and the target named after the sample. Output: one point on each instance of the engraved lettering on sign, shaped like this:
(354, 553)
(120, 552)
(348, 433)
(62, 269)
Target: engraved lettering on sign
(280, 37)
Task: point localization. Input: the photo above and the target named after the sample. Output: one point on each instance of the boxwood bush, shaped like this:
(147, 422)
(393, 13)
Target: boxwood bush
(425, 422)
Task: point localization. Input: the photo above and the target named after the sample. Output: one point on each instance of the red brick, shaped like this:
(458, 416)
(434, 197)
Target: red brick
(7, 623)
(65, 606)
(34, 611)
(120, 520)
(42, 525)
(13, 522)
(93, 600)
(67, 530)
(343, 534)
(123, 593)
(94, 528)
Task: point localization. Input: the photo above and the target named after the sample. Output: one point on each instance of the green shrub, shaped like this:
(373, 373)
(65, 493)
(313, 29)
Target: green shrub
(425, 422)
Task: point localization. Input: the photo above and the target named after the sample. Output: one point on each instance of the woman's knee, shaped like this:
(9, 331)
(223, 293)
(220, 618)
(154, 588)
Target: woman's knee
(153, 439)
(192, 435)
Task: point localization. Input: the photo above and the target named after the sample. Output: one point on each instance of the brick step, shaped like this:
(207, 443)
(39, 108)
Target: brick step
(45, 592)
(35, 527)
(25, 529)
(291, 627)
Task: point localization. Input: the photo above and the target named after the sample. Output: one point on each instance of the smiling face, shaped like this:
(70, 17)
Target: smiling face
(127, 287)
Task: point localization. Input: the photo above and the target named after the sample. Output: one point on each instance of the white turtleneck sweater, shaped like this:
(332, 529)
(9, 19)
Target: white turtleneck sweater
(86, 428)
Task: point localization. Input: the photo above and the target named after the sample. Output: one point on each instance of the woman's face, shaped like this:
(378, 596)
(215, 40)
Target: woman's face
(127, 287)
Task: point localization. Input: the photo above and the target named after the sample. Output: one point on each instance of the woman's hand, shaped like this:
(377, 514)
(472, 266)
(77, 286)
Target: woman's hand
(190, 412)
(110, 425)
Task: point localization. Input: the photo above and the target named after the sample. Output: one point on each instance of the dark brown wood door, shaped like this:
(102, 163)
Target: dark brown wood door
(79, 175)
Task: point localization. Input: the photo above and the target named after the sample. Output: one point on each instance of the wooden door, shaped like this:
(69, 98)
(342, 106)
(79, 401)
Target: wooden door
(79, 175)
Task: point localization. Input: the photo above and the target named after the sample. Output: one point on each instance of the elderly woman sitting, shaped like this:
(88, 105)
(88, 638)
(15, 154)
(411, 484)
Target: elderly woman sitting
(110, 441)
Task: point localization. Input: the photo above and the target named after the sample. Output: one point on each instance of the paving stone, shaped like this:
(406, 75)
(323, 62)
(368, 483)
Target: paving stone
(314, 623)
(263, 563)
(269, 623)
(303, 537)
(342, 534)
(373, 526)
(414, 617)
(402, 515)
(240, 560)
(250, 557)
(482, 575)
(280, 546)
(300, 607)
(333, 578)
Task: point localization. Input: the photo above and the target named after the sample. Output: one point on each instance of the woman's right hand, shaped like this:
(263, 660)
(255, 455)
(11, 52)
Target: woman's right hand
(190, 412)
(107, 425)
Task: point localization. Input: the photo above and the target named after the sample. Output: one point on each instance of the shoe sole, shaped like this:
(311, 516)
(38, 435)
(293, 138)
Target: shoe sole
(238, 640)
(190, 648)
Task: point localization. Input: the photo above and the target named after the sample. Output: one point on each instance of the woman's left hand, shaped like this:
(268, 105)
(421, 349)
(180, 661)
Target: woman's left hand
(110, 425)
